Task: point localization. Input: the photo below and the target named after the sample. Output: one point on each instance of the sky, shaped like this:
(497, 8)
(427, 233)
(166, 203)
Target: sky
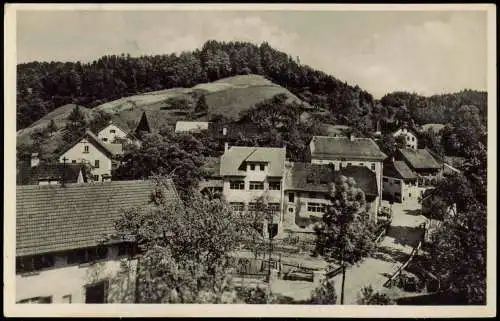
(427, 52)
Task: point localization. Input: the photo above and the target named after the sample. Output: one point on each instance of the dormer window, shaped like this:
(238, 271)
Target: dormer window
(262, 167)
(86, 148)
(112, 131)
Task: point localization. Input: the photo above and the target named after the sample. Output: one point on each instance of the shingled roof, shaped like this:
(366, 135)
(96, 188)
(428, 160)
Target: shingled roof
(419, 158)
(316, 178)
(32, 175)
(398, 169)
(52, 218)
(235, 156)
(332, 148)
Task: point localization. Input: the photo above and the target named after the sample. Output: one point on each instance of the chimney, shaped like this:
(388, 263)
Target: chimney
(224, 131)
(35, 160)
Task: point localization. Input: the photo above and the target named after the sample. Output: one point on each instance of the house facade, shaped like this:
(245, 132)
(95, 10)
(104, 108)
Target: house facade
(343, 152)
(99, 155)
(112, 132)
(411, 140)
(421, 161)
(399, 182)
(68, 262)
(249, 173)
(306, 193)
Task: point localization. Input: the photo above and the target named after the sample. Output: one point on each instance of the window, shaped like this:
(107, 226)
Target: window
(237, 185)
(252, 167)
(104, 139)
(291, 197)
(96, 293)
(66, 298)
(290, 209)
(275, 207)
(237, 206)
(262, 167)
(349, 164)
(274, 186)
(413, 139)
(85, 255)
(396, 181)
(312, 195)
(373, 166)
(86, 148)
(256, 185)
(95, 178)
(315, 207)
(323, 181)
(73, 161)
(112, 131)
(361, 164)
(43, 261)
(96, 163)
(252, 206)
(38, 299)
(409, 194)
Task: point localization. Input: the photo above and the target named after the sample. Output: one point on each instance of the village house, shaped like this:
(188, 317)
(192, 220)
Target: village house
(63, 250)
(99, 155)
(427, 169)
(399, 182)
(249, 173)
(342, 152)
(411, 140)
(307, 187)
(113, 131)
(36, 173)
(191, 126)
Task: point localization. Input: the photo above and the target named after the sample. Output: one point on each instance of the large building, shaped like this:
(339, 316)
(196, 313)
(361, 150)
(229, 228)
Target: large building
(99, 155)
(60, 256)
(249, 173)
(306, 189)
(342, 152)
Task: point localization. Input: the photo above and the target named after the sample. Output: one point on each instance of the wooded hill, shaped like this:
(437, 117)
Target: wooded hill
(44, 86)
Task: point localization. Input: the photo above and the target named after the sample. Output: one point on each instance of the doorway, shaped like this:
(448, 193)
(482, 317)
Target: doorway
(97, 292)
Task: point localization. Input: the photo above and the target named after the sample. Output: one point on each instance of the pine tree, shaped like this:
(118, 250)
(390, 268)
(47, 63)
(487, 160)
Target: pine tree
(201, 105)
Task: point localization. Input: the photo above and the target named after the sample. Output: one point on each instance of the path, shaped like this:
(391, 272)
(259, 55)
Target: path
(394, 249)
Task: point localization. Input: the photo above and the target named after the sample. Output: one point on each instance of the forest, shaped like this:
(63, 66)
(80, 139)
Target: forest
(45, 86)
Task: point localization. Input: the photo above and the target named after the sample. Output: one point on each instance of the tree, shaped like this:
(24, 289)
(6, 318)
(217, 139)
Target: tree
(346, 233)
(368, 296)
(99, 120)
(400, 141)
(76, 125)
(325, 293)
(457, 254)
(183, 163)
(201, 105)
(52, 127)
(388, 145)
(185, 249)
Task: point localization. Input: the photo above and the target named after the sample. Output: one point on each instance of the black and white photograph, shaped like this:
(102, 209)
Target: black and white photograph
(241, 160)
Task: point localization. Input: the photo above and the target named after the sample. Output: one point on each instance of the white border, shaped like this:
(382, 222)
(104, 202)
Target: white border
(11, 309)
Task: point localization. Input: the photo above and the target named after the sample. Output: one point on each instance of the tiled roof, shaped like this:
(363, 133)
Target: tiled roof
(233, 158)
(325, 147)
(32, 175)
(398, 169)
(182, 126)
(336, 130)
(419, 158)
(54, 218)
(233, 130)
(316, 178)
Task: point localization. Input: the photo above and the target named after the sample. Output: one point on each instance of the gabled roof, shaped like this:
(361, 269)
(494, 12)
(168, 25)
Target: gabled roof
(332, 148)
(118, 124)
(233, 130)
(316, 178)
(398, 169)
(233, 158)
(186, 126)
(52, 218)
(419, 158)
(32, 175)
(110, 150)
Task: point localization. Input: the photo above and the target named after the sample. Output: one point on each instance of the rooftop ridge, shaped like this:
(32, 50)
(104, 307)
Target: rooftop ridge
(76, 185)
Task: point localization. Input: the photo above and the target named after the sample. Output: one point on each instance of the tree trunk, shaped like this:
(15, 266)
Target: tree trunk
(343, 282)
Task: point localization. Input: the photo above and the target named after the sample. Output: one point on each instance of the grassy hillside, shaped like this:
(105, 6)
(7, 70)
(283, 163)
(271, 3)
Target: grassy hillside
(228, 97)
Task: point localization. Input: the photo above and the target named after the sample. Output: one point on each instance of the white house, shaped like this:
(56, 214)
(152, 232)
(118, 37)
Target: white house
(112, 131)
(400, 182)
(342, 152)
(252, 172)
(306, 189)
(59, 254)
(91, 150)
(410, 138)
(191, 126)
